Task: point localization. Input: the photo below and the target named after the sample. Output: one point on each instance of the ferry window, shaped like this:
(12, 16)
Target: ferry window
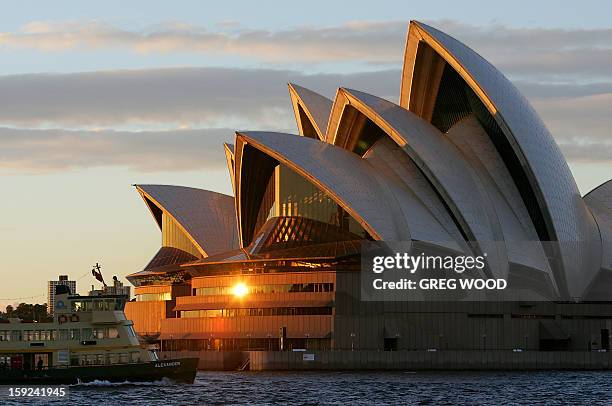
(99, 360)
(36, 335)
(111, 304)
(28, 335)
(64, 335)
(154, 356)
(53, 334)
(74, 359)
(112, 332)
(5, 362)
(87, 334)
(123, 358)
(45, 335)
(98, 333)
(75, 334)
(84, 306)
(113, 358)
(15, 335)
(5, 335)
(134, 357)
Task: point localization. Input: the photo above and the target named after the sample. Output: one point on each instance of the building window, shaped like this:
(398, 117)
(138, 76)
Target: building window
(153, 297)
(272, 288)
(247, 312)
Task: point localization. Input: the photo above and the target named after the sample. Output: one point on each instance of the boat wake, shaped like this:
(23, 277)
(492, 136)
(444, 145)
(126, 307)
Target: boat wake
(104, 383)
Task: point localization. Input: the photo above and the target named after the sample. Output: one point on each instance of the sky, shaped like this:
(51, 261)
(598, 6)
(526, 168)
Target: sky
(96, 97)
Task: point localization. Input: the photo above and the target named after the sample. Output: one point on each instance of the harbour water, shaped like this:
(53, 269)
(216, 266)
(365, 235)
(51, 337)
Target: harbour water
(311, 388)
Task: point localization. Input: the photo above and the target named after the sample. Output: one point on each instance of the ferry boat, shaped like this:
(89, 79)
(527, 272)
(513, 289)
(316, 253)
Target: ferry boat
(89, 339)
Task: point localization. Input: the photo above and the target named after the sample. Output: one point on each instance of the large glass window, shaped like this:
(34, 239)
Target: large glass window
(272, 288)
(297, 197)
(307, 215)
(153, 297)
(274, 311)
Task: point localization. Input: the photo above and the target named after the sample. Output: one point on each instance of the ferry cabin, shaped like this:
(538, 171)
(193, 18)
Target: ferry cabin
(86, 330)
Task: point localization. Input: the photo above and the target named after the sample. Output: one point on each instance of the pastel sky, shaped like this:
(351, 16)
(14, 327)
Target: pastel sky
(95, 97)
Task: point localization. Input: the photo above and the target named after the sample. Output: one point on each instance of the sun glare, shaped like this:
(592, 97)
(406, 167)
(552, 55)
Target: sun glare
(240, 290)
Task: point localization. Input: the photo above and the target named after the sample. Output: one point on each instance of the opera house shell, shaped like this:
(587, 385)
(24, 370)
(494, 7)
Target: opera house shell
(461, 164)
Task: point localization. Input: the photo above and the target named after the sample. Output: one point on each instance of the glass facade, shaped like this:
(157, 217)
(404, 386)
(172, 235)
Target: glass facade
(153, 297)
(173, 236)
(272, 311)
(288, 195)
(297, 197)
(278, 288)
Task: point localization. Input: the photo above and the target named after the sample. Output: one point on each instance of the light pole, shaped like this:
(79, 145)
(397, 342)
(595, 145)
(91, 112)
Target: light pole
(269, 341)
(248, 342)
(353, 341)
(307, 336)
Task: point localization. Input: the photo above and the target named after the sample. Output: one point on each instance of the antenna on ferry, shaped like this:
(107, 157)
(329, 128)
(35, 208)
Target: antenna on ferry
(98, 274)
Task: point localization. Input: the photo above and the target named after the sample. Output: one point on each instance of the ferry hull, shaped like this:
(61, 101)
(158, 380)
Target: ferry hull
(181, 370)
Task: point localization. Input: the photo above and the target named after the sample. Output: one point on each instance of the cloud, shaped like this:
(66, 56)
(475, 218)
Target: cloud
(351, 41)
(580, 125)
(42, 151)
(173, 97)
(564, 73)
(546, 53)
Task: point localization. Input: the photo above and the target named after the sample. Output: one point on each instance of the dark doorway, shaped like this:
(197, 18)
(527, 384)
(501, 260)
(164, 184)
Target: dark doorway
(554, 345)
(605, 339)
(391, 344)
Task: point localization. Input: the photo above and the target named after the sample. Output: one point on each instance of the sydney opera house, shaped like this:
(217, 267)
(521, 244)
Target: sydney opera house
(460, 162)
